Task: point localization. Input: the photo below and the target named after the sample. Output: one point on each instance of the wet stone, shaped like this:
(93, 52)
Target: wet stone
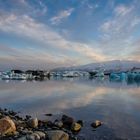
(7, 126)
(67, 120)
(96, 124)
(57, 135)
(76, 127)
(33, 123)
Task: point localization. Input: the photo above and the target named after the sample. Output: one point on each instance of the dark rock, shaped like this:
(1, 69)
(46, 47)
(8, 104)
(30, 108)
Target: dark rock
(49, 124)
(18, 118)
(49, 114)
(28, 117)
(41, 123)
(5, 109)
(80, 122)
(67, 120)
(11, 112)
(96, 124)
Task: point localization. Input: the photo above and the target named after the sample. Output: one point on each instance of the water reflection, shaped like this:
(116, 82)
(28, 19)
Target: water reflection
(115, 103)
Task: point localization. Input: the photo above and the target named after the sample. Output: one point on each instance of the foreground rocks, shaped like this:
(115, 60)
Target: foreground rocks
(14, 127)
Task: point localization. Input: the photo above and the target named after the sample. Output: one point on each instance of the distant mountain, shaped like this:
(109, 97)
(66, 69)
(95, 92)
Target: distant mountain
(108, 65)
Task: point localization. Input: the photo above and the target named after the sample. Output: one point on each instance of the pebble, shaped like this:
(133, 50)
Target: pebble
(76, 127)
(33, 123)
(96, 124)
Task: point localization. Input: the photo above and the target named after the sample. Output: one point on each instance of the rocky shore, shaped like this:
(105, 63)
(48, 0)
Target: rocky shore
(14, 127)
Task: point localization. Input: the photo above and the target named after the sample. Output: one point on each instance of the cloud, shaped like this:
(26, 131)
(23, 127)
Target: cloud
(135, 21)
(122, 10)
(43, 7)
(118, 31)
(61, 16)
(28, 27)
(52, 46)
(134, 53)
(40, 10)
(123, 22)
(32, 58)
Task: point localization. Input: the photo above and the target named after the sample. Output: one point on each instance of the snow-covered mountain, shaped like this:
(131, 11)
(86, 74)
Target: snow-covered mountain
(108, 65)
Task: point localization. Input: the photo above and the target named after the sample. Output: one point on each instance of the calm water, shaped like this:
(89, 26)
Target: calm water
(117, 104)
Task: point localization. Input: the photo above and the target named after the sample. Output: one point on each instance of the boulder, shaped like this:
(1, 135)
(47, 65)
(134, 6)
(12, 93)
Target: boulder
(67, 120)
(96, 124)
(33, 123)
(7, 126)
(57, 135)
(76, 127)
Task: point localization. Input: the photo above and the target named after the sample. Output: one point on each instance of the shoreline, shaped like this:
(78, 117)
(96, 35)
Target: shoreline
(15, 127)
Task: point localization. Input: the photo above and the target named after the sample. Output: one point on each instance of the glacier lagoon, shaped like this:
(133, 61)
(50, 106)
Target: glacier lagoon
(115, 103)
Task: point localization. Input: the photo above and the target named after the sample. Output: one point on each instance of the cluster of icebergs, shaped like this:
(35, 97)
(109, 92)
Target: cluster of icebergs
(20, 75)
(69, 73)
(30, 75)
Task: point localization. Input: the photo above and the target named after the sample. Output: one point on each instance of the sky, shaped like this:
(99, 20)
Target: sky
(57, 33)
